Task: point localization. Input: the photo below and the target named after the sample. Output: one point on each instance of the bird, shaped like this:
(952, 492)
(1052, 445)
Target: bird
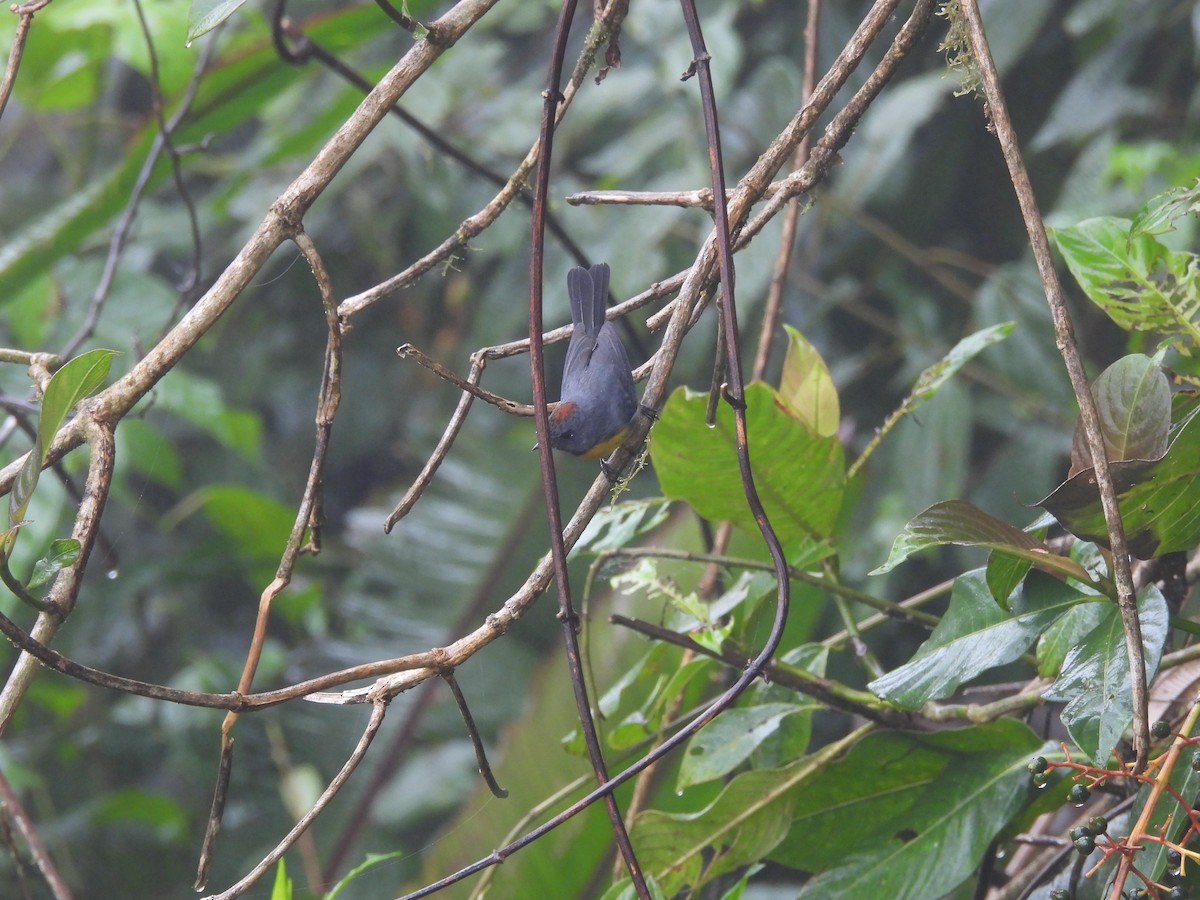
(597, 401)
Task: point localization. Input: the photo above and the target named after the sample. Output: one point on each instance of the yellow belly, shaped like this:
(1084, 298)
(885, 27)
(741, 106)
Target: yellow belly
(606, 447)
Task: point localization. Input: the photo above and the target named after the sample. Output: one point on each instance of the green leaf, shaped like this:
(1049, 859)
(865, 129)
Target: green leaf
(157, 810)
(976, 635)
(727, 742)
(1094, 682)
(63, 554)
(201, 402)
(147, 451)
(257, 524)
(1058, 640)
(1158, 215)
(798, 473)
(205, 15)
(960, 522)
(908, 815)
(624, 890)
(28, 253)
(1004, 573)
(372, 860)
(735, 892)
(70, 384)
(1133, 402)
(1137, 281)
(929, 381)
(281, 889)
(807, 387)
(1159, 499)
(61, 697)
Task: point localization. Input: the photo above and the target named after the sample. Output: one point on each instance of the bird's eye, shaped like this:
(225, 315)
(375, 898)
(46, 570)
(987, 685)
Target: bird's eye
(568, 435)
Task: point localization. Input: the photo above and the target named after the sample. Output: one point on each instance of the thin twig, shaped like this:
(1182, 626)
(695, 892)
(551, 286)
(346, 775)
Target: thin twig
(408, 23)
(1064, 334)
(470, 384)
(41, 856)
(481, 760)
(787, 240)
(449, 435)
(568, 619)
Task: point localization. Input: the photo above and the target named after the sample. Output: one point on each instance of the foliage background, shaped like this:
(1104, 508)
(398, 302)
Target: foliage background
(914, 242)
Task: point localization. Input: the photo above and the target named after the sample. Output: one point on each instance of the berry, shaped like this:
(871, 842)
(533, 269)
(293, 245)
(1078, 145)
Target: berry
(1038, 765)
(1097, 825)
(1040, 780)
(1160, 729)
(1078, 831)
(1085, 844)
(1174, 858)
(1196, 761)
(1179, 892)
(1060, 894)
(1079, 794)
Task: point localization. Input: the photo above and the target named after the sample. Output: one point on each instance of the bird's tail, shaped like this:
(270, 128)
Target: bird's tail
(588, 291)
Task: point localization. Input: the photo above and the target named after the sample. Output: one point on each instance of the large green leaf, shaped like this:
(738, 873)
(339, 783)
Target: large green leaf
(976, 635)
(908, 815)
(1094, 682)
(1141, 284)
(798, 473)
(960, 522)
(1159, 499)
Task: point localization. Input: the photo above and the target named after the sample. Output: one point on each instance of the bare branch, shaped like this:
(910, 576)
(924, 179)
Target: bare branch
(1064, 334)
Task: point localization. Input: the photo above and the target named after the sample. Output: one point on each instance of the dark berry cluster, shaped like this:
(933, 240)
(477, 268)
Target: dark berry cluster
(1084, 836)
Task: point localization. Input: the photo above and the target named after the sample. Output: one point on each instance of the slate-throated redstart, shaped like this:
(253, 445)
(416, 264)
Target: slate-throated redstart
(598, 401)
